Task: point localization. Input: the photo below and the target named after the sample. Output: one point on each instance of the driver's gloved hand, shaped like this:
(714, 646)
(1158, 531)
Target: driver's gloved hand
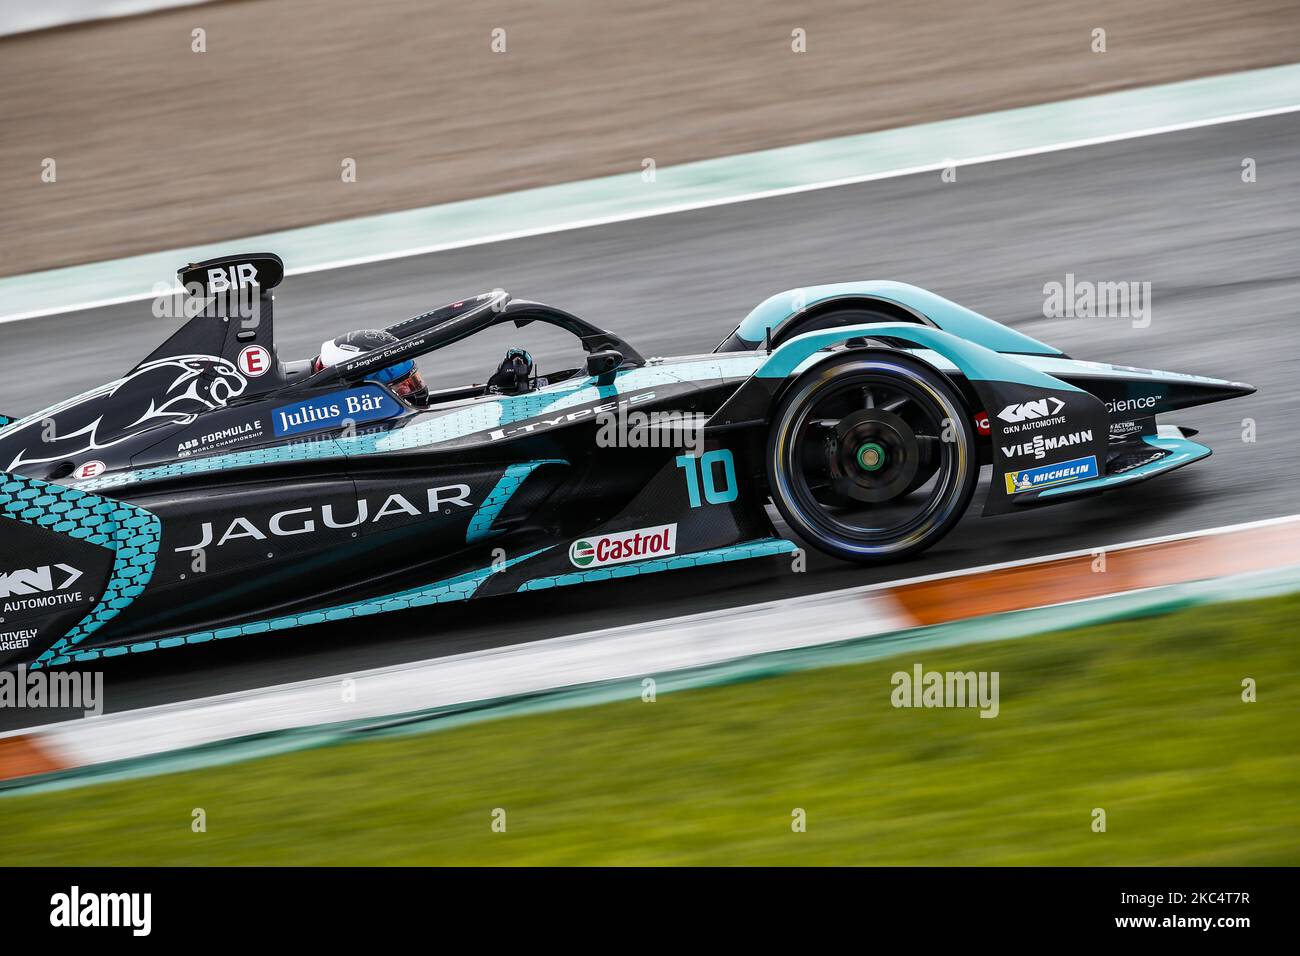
(514, 374)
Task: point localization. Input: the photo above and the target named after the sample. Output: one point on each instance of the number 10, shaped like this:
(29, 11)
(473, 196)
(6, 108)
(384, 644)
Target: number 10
(703, 466)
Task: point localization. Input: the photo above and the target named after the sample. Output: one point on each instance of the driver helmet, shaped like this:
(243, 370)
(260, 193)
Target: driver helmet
(403, 378)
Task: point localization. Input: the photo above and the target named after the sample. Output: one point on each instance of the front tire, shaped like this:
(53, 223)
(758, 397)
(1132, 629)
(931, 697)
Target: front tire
(872, 457)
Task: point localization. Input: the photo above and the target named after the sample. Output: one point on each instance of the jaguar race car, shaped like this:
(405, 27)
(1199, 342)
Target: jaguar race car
(218, 489)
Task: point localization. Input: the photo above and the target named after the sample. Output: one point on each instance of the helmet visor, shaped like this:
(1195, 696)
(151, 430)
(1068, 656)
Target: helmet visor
(394, 372)
(411, 385)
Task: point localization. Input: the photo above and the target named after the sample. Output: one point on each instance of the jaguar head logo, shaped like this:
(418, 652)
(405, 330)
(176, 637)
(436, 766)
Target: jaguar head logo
(169, 391)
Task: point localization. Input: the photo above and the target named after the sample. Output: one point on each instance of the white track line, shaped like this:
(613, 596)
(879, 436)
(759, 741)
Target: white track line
(794, 190)
(462, 678)
(669, 210)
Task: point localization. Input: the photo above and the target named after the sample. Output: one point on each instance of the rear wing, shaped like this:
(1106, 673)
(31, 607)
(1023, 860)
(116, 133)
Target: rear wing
(231, 305)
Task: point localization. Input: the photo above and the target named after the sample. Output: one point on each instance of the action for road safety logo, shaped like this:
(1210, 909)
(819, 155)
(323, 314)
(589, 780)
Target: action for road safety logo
(623, 546)
(1044, 476)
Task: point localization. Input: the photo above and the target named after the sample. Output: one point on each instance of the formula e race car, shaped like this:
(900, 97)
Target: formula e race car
(216, 490)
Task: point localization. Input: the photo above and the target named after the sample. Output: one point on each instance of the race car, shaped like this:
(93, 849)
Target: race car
(217, 490)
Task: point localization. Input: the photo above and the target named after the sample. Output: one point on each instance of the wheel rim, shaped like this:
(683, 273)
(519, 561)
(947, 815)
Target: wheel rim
(855, 454)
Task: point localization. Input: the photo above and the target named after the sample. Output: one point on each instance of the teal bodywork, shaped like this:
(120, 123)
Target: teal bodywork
(977, 362)
(480, 526)
(999, 381)
(1181, 451)
(759, 548)
(430, 430)
(459, 588)
(462, 587)
(947, 315)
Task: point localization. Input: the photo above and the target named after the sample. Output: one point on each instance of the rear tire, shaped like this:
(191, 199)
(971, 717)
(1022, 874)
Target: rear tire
(853, 438)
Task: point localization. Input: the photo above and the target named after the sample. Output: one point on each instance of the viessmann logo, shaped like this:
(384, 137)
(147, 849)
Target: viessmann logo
(624, 546)
(1041, 445)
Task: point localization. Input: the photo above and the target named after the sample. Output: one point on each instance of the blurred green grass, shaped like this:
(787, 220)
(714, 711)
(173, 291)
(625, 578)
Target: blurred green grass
(1142, 718)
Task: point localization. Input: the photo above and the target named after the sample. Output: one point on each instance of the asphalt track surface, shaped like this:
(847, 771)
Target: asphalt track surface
(1172, 210)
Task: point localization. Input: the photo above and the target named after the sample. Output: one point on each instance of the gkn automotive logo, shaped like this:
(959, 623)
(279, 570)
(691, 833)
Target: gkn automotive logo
(40, 580)
(623, 546)
(1028, 411)
(1041, 445)
(45, 586)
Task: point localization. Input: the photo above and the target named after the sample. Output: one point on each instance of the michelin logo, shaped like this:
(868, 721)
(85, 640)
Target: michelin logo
(1045, 476)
